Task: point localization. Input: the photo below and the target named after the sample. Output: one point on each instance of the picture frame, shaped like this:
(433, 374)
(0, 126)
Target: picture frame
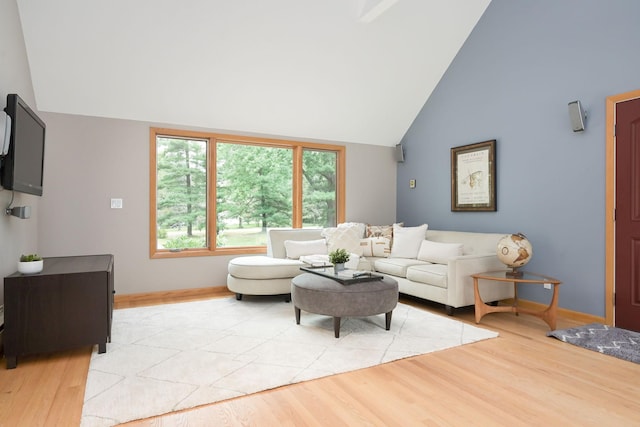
(473, 177)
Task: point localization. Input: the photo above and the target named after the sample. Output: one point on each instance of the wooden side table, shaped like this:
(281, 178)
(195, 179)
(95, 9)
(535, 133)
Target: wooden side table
(548, 315)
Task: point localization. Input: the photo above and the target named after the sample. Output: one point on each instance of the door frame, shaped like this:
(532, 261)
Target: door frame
(610, 198)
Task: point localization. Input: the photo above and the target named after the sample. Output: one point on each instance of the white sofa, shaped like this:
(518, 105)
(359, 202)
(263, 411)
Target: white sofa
(446, 281)
(270, 274)
(449, 281)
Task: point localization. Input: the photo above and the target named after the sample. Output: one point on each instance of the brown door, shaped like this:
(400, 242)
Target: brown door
(627, 234)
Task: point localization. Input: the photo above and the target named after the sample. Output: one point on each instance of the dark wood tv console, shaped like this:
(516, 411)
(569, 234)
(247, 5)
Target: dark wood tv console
(67, 305)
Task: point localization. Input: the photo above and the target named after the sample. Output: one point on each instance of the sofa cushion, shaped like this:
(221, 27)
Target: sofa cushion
(380, 231)
(277, 236)
(431, 274)
(376, 246)
(297, 248)
(264, 267)
(407, 240)
(359, 226)
(395, 266)
(438, 252)
(344, 236)
(474, 243)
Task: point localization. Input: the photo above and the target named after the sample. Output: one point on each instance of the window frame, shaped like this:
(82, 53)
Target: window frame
(211, 139)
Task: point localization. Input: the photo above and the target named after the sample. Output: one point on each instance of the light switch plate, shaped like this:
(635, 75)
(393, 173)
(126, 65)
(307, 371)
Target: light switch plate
(116, 203)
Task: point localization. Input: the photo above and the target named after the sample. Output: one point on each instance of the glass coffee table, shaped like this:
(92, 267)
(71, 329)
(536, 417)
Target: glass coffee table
(548, 315)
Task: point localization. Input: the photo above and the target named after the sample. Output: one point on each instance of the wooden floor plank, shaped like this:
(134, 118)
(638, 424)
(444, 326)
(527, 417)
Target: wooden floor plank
(71, 389)
(521, 378)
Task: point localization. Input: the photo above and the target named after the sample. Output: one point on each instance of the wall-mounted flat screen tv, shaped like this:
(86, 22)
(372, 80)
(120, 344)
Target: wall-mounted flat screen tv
(22, 167)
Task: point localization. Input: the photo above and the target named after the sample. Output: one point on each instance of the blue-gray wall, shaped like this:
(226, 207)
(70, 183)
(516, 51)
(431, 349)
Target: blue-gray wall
(511, 81)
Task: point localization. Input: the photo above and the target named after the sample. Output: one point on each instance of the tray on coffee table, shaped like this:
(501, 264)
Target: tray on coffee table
(346, 277)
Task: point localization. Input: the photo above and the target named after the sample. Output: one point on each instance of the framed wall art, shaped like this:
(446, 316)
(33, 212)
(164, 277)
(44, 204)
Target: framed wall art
(473, 177)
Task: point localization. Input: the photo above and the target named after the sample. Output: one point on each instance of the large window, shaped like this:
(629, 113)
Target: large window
(219, 194)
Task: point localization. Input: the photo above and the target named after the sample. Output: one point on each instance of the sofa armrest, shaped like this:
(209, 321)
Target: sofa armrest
(460, 282)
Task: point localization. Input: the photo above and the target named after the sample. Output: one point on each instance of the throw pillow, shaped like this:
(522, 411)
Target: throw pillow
(376, 246)
(407, 240)
(385, 231)
(380, 231)
(297, 248)
(359, 226)
(439, 253)
(343, 237)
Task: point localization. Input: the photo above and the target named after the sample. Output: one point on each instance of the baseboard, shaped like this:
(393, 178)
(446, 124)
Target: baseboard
(182, 295)
(167, 297)
(563, 312)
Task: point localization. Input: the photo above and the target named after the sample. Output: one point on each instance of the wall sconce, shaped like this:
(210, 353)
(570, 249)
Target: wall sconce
(577, 115)
(23, 212)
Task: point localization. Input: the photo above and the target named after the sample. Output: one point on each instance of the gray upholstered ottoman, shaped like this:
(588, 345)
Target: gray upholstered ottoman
(322, 295)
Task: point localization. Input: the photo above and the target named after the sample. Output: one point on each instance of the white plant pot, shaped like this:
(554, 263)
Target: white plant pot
(30, 267)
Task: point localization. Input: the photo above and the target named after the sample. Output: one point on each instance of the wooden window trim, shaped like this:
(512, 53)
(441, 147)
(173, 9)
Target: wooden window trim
(212, 138)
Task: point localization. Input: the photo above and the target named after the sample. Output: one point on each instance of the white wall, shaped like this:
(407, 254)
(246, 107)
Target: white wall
(90, 160)
(17, 236)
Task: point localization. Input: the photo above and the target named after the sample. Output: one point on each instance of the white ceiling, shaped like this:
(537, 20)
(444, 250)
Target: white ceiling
(334, 70)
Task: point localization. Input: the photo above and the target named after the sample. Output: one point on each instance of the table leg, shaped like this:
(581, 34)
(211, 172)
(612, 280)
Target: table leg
(549, 315)
(477, 300)
(481, 308)
(336, 327)
(387, 320)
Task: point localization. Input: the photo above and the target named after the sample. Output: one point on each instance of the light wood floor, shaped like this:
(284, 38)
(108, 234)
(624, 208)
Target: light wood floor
(521, 378)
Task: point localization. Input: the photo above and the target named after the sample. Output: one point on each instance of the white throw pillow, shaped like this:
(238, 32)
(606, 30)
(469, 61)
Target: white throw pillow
(376, 246)
(359, 226)
(439, 253)
(343, 237)
(407, 240)
(297, 248)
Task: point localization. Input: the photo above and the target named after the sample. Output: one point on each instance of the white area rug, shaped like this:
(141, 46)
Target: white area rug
(170, 357)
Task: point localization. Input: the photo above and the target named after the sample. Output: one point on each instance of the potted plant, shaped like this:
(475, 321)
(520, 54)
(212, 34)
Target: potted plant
(30, 264)
(338, 257)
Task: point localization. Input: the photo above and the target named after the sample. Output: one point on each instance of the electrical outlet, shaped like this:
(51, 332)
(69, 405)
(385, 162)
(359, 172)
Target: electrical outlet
(547, 285)
(412, 183)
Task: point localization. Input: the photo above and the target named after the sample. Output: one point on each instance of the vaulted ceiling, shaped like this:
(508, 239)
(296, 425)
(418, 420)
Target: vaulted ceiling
(330, 70)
